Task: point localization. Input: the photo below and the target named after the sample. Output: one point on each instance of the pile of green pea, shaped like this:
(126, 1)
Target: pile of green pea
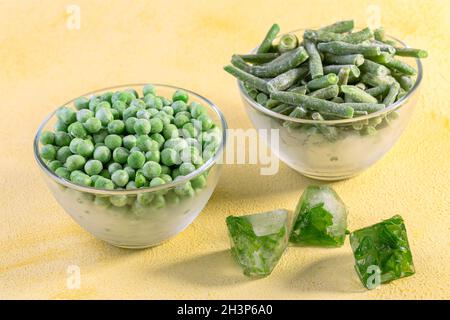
(120, 140)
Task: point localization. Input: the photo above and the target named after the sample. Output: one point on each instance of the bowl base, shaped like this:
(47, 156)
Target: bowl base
(328, 178)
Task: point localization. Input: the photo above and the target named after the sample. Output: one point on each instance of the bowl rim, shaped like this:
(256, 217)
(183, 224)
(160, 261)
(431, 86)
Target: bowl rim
(391, 107)
(208, 164)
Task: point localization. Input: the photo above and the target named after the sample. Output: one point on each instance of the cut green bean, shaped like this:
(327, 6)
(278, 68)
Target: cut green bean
(339, 27)
(270, 104)
(336, 68)
(361, 85)
(406, 82)
(337, 100)
(358, 95)
(343, 76)
(283, 63)
(315, 62)
(326, 36)
(384, 47)
(283, 109)
(379, 34)
(342, 48)
(322, 106)
(261, 98)
(369, 107)
(374, 80)
(375, 68)
(401, 67)
(368, 131)
(299, 89)
(245, 77)
(287, 42)
(298, 112)
(322, 82)
(266, 45)
(329, 132)
(383, 58)
(379, 90)
(392, 94)
(259, 58)
(287, 79)
(326, 93)
(356, 59)
(411, 52)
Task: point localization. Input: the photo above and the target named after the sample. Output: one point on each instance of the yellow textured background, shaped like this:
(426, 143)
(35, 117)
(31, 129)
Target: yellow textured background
(186, 43)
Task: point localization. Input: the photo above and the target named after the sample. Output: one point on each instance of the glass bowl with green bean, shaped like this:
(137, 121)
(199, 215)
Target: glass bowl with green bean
(133, 165)
(339, 99)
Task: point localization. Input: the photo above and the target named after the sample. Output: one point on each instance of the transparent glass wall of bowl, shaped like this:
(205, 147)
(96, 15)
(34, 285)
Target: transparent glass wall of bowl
(134, 225)
(137, 224)
(304, 148)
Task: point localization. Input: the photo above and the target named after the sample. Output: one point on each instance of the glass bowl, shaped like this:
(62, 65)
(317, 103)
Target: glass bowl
(300, 144)
(116, 216)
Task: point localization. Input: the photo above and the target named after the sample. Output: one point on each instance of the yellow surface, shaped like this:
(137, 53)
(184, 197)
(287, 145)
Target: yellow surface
(186, 43)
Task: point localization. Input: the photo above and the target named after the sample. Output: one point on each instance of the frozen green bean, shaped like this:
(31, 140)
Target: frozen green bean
(266, 45)
(322, 106)
(342, 48)
(245, 77)
(322, 82)
(326, 93)
(358, 95)
(339, 27)
(287, 79)
(283, 63)
(329, 132)
(343, 76)
(375, 68)
(356, 59)
(411, 52)
(287, 42)
(336, 68)
(369, 107)
(326, 36)
(315, 62)
(259, 57)
(379, 90)
(392, 94)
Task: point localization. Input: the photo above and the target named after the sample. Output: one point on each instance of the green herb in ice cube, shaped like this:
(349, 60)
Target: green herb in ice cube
(258, 240)
(382, 252)
(320, 218)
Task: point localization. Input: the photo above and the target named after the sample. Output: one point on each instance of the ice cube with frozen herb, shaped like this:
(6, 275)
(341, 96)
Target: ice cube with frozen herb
(258, 240)
(382, 252)
(320, 218)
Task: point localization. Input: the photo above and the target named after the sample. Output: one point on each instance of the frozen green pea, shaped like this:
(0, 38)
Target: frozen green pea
(169, 157)
(129, 141)
(199, 182)
(166, 177)
(74, 162)
(152, 155)
(184, 189)
(180, 95)
(131, 172)
(102, 154)
(145, 199)
(140, 180)
(120, 155)
(63, 153)
(143, 114)
(84, 114)
(158, 138)
(165, 170)
(104, 183)
(156, 182)
(129, 112)
(62, 139)
(134, 149)
(93, 167)
(158, 201)
(168, 110)
(104, 115)
(156, 125)
(180, 120)
(120, 177)
(81, 103)
(93, 102)
(60, 126)
(85, 148)
(131, 185)
(113, 167)
(105, 173)
(113, 141)
(81, 179)
(92, 125)
(120, 106)
(153, 102)
(66, 115)
(55, 164)
(186, 168)
(148, 89)
(47, 137)
(197, 109)
(116, 127)
(119, 200)
(48, 152)
(136, 160)
(179, 106)
(176, 144)
(102, 105)
(139, 104)
(142, 126)
(77, 130)
(145, 143)
(151, 169)
(62, 172)
(129, 124)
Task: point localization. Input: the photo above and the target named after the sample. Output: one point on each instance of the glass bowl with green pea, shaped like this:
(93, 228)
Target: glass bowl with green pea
(316, 134)
(133, 165)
